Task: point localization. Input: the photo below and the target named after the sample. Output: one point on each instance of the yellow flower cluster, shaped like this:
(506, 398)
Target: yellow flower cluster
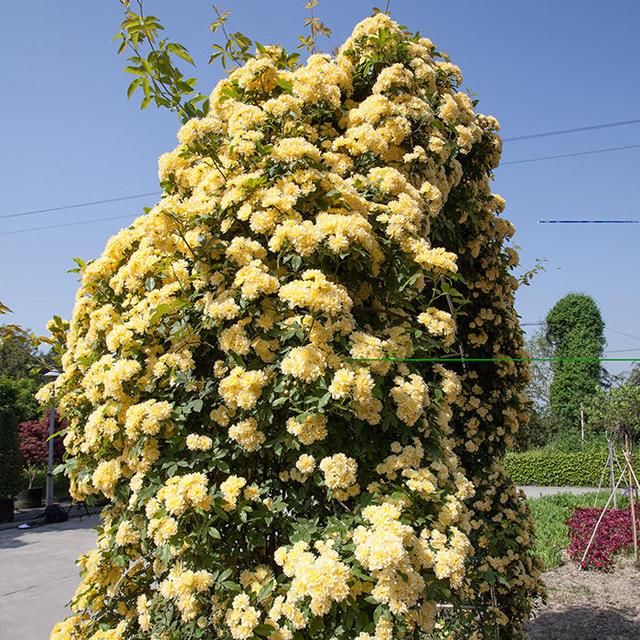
(146, 417)
(306, 363)
(162, 529)
(316, 293)
(247, 434)
(183, 586)
(323, 579)
(182, 492)
(411, 397)
(358, 386)
(241, 617)
(230, 490)
(255, 580)
(126, 534)
(106, 475)
(197, 442)
(395, 555)
(340, 475)
(242, 388)
(440, 324)
(309, 430)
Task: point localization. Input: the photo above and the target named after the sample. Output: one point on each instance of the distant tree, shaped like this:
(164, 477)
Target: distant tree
(616, 411)
(21, 368)
(22, 365)
(540, 428)
(540, 370)
(634, 376)
(18, 350)
(10, 459)
(575, 330)
(25, 406)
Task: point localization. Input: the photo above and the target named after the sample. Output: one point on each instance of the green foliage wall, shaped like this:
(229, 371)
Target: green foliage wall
(558, 469)
(575, 330)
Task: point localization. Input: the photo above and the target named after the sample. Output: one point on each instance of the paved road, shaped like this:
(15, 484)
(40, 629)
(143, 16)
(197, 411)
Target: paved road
(537, 492)
(38, 576)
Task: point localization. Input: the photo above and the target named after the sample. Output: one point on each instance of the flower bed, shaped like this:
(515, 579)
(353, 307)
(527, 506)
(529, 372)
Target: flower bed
(614, 535)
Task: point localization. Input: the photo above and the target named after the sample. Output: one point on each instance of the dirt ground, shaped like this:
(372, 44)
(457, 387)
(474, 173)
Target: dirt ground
(589, 605)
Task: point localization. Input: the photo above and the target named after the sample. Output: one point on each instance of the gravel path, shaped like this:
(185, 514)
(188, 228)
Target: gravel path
(590, 605)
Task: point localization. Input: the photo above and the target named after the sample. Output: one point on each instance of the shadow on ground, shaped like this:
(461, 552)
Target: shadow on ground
(585, 623)
(14, 538)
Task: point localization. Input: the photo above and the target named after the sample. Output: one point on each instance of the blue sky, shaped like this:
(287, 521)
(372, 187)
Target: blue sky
(70, 135)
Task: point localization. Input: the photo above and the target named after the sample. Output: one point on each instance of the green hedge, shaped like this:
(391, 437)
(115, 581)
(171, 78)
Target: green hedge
(548, 468)
(10, 460)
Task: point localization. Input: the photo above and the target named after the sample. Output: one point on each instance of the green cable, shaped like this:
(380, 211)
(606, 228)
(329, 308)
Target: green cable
(502, 359)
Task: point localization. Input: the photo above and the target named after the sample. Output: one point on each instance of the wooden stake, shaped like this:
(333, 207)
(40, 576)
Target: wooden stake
(604, 470)
(612, 474)
(629, 462)
(628, 458)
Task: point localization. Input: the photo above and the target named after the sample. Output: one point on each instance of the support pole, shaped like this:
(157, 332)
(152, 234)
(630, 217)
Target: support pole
(628, 457)
(51, 375)
(49, 485)
(612, 474)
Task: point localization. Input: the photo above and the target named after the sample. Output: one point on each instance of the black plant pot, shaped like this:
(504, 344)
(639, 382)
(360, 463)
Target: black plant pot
(30, 498)
(6, 509)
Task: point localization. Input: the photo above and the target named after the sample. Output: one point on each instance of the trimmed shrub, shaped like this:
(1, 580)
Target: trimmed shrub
(575, 329)
(547, 468)
(34, 442)
(34, 447)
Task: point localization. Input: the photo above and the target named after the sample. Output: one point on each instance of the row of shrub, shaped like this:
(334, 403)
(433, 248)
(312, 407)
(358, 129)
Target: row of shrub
(548, 468)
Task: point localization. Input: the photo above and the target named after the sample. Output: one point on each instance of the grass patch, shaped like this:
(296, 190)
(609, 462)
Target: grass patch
(550, 514)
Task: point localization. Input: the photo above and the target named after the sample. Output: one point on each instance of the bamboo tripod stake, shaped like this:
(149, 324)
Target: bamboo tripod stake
(634, 485)
(632, 489)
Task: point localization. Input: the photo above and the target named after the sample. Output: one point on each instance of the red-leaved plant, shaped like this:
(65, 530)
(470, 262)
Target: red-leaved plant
(614, 535)
(34, 445)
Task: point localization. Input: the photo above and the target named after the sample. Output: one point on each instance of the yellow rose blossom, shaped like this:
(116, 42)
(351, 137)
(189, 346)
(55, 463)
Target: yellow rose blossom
(247, 434)
(230, 490)
(242, 388)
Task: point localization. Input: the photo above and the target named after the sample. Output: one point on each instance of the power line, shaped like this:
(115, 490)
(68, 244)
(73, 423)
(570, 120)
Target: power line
(572, 155)
(621, 350)
(64, 224)
(498, 359)
(155, 193)
(545, 134)
(79, 204)
(588, 221)
(622, 333)
(607, 328)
